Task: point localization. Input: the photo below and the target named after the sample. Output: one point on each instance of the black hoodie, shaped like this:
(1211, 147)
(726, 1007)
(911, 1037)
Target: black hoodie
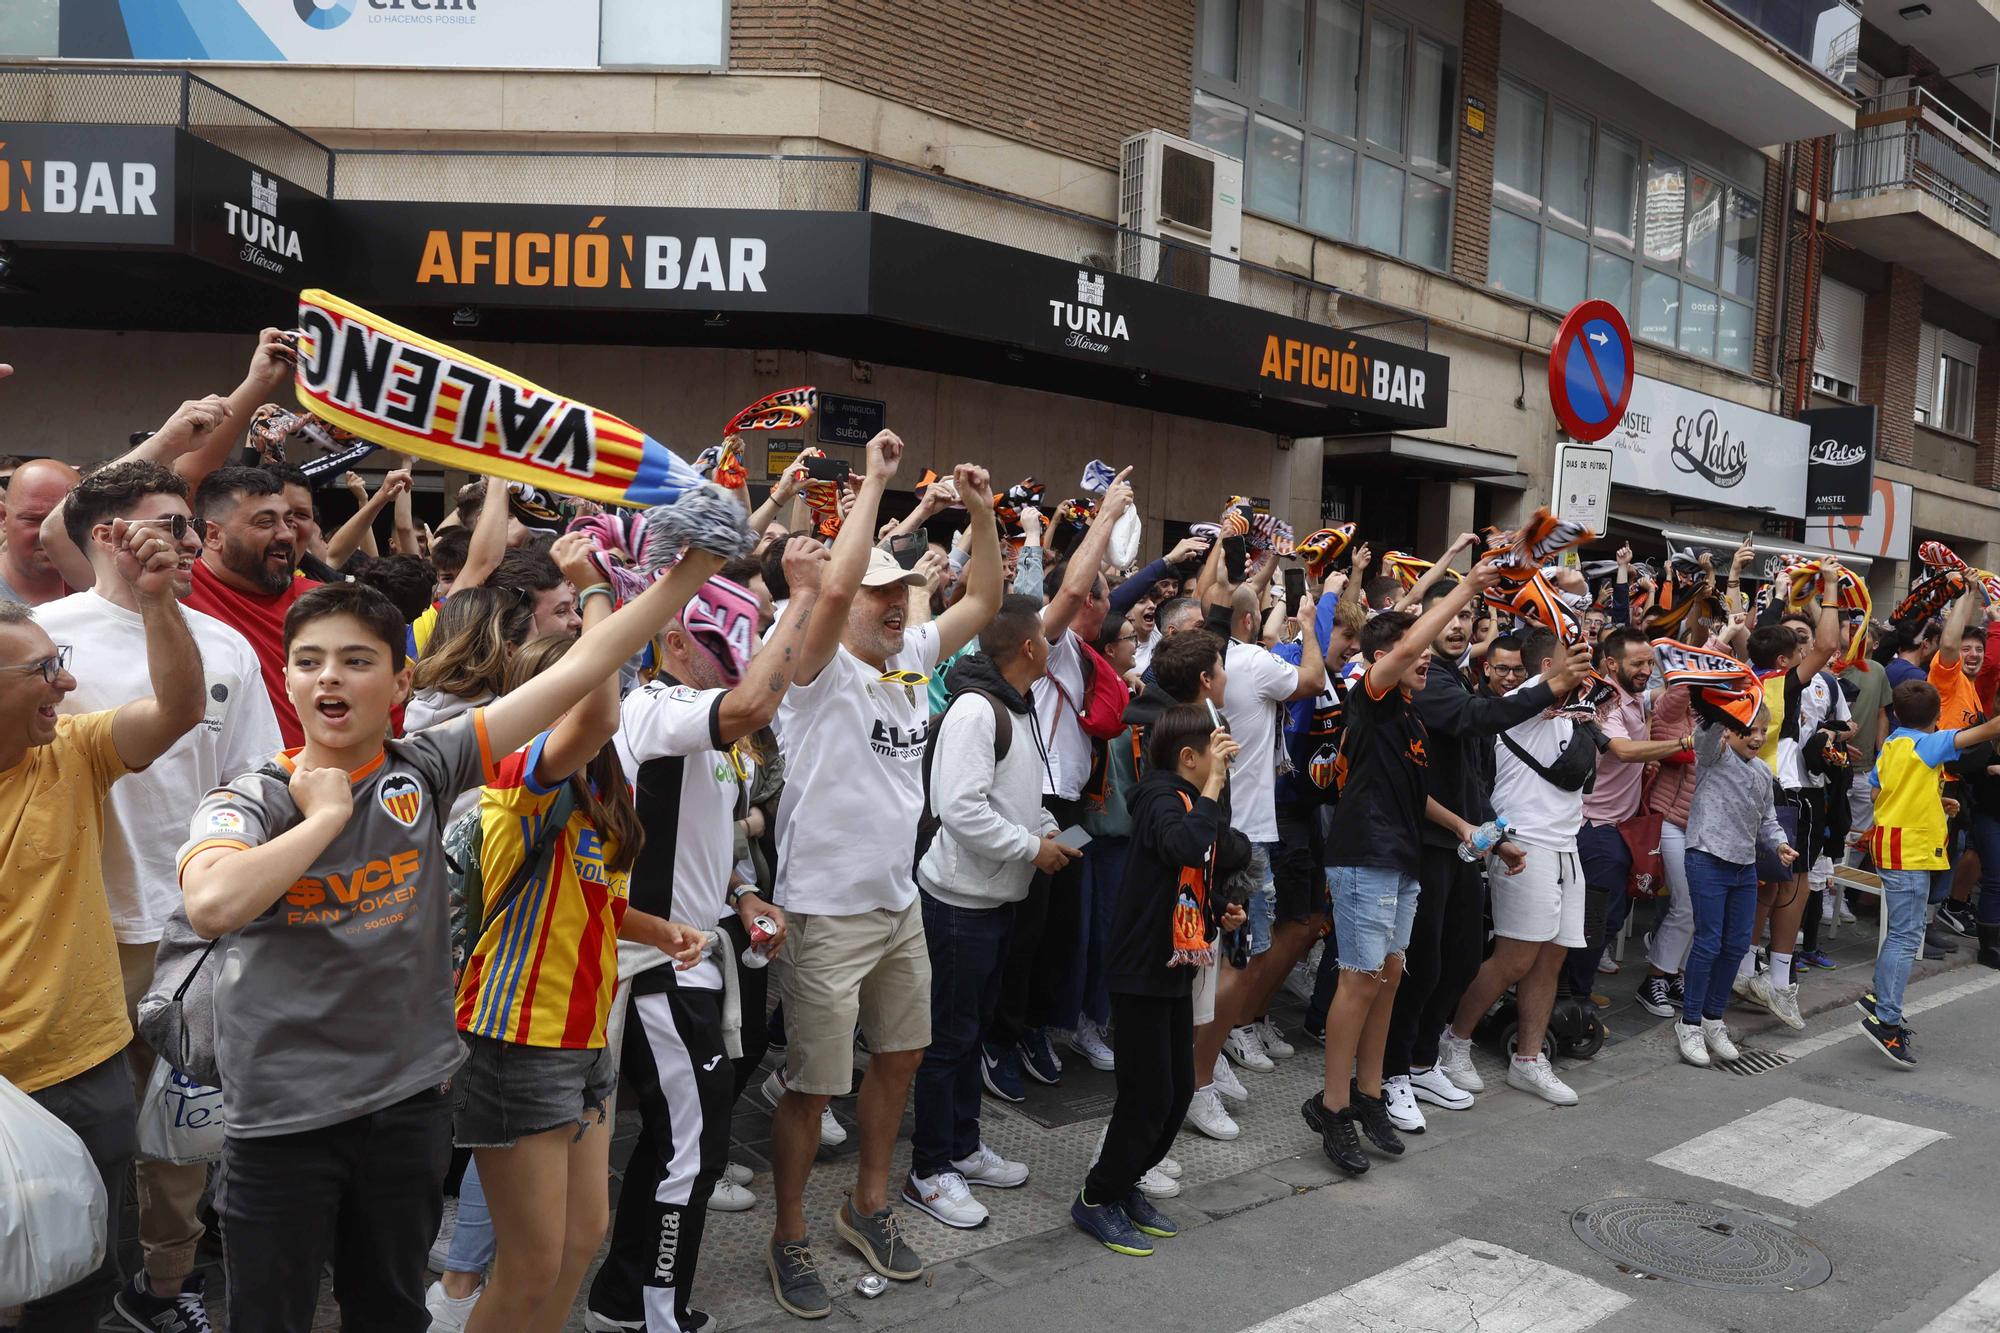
(1166, 836)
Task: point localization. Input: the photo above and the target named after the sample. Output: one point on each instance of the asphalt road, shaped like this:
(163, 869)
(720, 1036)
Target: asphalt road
(1889, 1175)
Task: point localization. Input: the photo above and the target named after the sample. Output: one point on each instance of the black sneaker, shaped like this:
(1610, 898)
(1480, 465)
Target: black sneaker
(138, 1306)
(1653, 998)
(1937, 936)
(1337, 1138)
(1315, 1035)
(1373, 1113)
(1866, 1004)
(1892, 1042)
(879, 1238)
(1958, 918)
(795, 1279)
(1140, 1212)
(1676, 990)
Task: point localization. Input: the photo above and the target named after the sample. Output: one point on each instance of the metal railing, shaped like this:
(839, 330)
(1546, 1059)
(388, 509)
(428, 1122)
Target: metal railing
(126, 96)
(1824, 34)
(1909, 140)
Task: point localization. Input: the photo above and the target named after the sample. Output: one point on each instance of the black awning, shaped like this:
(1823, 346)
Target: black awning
(229, 243)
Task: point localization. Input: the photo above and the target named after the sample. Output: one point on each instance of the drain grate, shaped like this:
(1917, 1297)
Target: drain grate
(1700, 1244)
(1754, 1062)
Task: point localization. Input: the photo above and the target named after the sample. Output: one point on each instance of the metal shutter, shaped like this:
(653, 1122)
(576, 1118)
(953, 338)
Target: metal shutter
(1927, 359)
(1840, 320)
(1958, 349)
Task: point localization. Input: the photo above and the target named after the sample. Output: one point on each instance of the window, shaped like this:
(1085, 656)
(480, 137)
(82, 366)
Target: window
(1837, 357)
(1582, 210)
(1344, 113)
(1947, 379)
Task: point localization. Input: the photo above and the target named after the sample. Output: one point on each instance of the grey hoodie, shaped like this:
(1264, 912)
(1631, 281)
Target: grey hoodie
(991, 821)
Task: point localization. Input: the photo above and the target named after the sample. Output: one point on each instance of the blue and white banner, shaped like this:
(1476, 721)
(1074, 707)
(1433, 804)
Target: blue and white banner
(517, 34)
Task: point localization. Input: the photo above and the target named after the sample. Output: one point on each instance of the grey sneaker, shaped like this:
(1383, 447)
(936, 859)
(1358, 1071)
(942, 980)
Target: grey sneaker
(880, 1240)
(795, 1279)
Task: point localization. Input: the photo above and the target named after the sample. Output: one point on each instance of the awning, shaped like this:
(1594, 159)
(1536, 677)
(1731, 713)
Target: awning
(153, 227)
(1437, 459)
(1722, 544)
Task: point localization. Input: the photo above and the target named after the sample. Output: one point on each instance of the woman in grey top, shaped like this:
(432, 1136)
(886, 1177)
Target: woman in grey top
(1731, 813)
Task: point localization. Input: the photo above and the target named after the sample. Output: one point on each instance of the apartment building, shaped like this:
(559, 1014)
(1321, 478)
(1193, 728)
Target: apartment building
(1152, 231)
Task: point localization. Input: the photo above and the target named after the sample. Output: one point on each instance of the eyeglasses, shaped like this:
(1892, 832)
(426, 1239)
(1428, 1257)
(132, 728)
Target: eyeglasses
(1126, 638)
(49, 667)
(177, 525)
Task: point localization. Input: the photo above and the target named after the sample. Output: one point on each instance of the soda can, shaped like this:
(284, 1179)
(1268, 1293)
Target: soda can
(762, 931)
(870, 1285)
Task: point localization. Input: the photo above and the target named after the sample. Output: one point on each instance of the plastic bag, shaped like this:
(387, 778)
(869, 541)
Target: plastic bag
(1125, 538)
(180, 1119)
(53, 1210)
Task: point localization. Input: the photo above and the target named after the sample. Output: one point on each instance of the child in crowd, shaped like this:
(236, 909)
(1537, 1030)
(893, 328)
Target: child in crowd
(1162, 933)
(1731, 812)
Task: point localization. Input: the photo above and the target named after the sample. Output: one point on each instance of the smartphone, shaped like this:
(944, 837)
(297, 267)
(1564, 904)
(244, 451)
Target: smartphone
(1214, 718)
(1235, 557)
(826, 469)
(1295, 590)
(909, 547)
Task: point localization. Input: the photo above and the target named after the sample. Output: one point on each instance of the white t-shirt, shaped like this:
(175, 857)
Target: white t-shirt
(854, 786)
(1818, 702)
(685, 789)
(1258, 683)
(1057, 697)
(1537, 813)
(146, 814)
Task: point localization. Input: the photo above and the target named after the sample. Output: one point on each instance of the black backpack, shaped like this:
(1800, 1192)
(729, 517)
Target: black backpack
(1003, 739)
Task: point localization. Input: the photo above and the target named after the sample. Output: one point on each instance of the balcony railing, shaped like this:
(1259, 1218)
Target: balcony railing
(1908, 140)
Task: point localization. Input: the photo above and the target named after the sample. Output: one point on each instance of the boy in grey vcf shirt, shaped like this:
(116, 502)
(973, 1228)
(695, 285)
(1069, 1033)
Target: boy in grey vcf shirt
(337, 1001)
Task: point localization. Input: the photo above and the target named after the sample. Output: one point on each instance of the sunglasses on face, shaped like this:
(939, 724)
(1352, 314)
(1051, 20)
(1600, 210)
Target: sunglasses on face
(177, 525)
(48, 667)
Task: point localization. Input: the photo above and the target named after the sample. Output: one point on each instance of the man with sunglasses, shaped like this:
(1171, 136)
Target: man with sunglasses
(61, 1001)
(146, 815)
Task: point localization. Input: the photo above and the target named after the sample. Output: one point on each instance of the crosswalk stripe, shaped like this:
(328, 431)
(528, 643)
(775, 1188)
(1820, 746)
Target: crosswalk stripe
(1978, 1311)
(1463, 1285)
(1798, 1151)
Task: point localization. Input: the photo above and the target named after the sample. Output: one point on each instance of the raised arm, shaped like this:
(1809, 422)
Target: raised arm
(585, 728)
(1465, 541)
(754, 702)
(1086, 561)
(841, 578)
(358, 531)
(270, 366)
(1955, 622)
(1386, 670)
(1312, 665)
(513, 719)
(192, 424)
(488, 542)
(145, 729)
(782, 491)
(403, 536)
(1826, 639)
(966, 617)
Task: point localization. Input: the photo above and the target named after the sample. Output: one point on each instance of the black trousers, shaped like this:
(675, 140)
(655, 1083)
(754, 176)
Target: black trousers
(366, 1193)
(1155, 1084)
(98, 1106)
(1447, 945)
(1036, 973)
(674, 1061)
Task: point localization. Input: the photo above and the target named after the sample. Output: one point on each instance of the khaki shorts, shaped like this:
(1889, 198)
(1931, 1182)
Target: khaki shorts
(873, 969)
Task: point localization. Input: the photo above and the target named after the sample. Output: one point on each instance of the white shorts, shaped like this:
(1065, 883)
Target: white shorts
(1205, 982)
(1543, 903)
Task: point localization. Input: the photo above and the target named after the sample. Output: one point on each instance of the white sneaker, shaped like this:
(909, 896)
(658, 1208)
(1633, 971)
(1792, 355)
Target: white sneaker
(738, 1174)
(1431, 1085)
(730, 1197)
(1228, 1084)
(1273, 1041)
(1847, 917)
(1784, 1002)
(945, 1197)
(1304, 975)
(1455, 1060)
(441, 1247)
(1088, 1042)
(594, 1322)
(1716, 1034)
(1539, 1077)
(1745, 988)
(1403, 1112)
(831, 1135)
(1156, 1184)
(1693, 1049)
(1606, 966)
(1242, 1046)
(1205, 1113)
(1169, 1168)
(986, 1167)
(449, 1313)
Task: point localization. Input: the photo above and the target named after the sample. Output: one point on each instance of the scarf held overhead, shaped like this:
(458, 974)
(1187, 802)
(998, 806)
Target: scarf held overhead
(408, 393)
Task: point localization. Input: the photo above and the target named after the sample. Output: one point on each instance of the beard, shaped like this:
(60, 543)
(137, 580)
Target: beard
(251, 564)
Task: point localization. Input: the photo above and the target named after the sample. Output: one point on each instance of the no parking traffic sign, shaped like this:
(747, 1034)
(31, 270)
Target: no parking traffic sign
(1590, 370)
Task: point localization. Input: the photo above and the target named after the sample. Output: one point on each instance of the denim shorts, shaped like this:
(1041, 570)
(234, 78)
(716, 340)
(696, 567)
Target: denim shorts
(1373, 909)
(504, 1092)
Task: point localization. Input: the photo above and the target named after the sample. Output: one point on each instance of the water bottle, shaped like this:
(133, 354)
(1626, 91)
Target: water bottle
(1484, 839)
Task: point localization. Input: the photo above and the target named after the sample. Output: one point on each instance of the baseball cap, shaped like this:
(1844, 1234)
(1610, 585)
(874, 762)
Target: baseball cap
(883, 571)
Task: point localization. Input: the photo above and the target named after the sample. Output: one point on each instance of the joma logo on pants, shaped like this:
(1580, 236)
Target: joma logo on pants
(670, 1245)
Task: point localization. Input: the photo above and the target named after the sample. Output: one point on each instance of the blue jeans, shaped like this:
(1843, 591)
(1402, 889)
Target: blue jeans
(472, 1243)
(1374, 908)
(1986, 841)
(1724, 897)
(1905, 897)
(1263, 905)
(968, 948)
(1103, 868)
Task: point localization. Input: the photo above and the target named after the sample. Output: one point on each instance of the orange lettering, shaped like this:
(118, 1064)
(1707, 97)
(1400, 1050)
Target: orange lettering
(1294, 353)
(473, 253)
(404, 864)
(436, 265)
(530, 271)
(1272, 368)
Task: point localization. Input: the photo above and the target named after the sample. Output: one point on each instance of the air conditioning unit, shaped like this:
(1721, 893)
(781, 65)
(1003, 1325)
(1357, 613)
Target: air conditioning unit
(1181, 208)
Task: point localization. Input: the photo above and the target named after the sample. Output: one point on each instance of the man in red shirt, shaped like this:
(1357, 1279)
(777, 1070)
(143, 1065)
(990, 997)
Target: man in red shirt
(246, 576)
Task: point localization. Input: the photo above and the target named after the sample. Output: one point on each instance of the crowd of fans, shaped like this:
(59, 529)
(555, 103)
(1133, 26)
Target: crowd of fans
(427, 851)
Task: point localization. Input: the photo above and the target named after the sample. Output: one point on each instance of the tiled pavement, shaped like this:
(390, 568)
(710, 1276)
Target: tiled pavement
(1056, 1130)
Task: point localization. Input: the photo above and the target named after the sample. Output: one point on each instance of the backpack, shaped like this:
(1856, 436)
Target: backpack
(1003, 740)
(463, 842)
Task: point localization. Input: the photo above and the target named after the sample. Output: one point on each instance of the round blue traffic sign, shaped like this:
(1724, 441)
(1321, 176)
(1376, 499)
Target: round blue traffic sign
(1590, 370)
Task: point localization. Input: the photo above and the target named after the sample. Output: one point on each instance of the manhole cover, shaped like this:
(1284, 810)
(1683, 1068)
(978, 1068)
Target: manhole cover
(1701, 1245)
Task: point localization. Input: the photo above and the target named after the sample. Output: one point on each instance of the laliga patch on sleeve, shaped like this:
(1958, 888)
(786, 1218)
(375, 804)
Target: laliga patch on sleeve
(225, 821)
(684, 693)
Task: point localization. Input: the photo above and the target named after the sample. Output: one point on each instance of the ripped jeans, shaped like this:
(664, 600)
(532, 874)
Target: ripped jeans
(1373, 910)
